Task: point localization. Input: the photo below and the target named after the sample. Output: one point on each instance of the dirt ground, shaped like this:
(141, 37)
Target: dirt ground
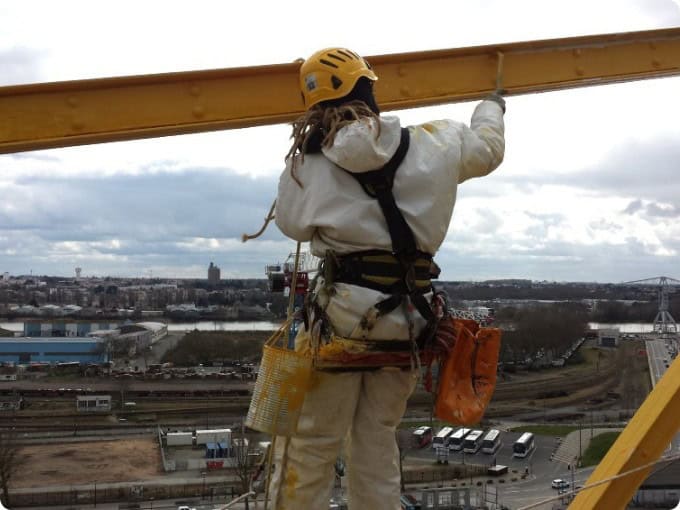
(87, 462)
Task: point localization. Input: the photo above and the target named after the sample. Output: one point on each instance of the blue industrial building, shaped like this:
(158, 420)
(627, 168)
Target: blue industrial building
(53, 350)
(65, 328)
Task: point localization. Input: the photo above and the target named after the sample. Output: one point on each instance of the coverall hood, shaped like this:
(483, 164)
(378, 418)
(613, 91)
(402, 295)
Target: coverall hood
(365, 145)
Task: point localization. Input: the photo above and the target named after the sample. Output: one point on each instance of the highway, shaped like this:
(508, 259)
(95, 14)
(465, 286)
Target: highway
(660, 356)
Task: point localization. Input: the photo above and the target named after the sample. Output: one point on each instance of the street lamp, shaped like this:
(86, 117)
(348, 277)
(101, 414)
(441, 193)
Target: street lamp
(203, 492)
(95, 493)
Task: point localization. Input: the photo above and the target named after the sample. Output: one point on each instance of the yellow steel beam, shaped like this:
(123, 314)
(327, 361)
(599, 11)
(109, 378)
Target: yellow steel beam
(643, 441)
(89, 111)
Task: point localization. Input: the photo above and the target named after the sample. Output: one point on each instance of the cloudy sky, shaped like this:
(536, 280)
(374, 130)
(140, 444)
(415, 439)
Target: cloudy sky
(587, 191)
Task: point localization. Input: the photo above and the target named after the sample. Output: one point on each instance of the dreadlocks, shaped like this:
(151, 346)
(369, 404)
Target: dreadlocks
(317, 128)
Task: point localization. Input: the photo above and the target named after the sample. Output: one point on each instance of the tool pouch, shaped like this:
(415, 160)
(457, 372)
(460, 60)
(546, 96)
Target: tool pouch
(467, 374)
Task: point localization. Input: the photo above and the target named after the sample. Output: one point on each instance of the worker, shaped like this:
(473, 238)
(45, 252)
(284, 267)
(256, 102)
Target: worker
(375, 201)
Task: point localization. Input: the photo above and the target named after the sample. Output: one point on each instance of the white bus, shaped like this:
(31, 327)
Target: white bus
(473, 441)
(456, 439)
(491, 442)
(524, 445)
(441, 440)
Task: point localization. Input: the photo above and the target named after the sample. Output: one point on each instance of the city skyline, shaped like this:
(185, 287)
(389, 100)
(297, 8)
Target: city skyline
(586, 191)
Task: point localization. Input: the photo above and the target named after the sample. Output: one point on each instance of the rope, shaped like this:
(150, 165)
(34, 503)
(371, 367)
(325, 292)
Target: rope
(291, 302)
(293, 283)
(499, 71)
(268, 218)
(670, 458)
(237, 500)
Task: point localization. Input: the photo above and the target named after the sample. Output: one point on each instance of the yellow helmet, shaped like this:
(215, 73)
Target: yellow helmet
(331, 74)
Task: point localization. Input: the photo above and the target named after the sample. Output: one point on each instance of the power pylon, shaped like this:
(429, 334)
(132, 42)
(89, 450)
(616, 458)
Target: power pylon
(663, 322)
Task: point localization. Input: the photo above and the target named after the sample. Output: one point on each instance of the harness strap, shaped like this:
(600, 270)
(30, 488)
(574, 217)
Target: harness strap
(378, 184)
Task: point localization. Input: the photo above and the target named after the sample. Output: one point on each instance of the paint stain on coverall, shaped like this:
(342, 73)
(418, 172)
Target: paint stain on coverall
(291, 481)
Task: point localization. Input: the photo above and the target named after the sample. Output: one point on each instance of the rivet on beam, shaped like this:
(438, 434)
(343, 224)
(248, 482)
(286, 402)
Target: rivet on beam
(198, 111)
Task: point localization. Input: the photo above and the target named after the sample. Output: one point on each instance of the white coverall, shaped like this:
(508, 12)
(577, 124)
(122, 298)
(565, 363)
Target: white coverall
(332, 211)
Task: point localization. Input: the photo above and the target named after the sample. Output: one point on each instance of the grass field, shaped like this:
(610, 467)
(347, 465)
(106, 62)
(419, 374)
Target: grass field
(598, 448)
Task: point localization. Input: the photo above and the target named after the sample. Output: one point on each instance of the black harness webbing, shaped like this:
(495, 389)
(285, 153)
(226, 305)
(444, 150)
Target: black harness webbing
(378, 184)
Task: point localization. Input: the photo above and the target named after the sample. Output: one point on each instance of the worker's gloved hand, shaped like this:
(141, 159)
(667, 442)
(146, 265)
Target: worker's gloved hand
(497, 98)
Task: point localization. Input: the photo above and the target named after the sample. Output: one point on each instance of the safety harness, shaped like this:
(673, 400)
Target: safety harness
(403, 272)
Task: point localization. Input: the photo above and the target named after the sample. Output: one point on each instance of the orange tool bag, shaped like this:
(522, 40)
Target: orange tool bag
(467, 371)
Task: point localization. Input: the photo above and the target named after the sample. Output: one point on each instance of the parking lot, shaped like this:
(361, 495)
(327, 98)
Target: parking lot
(537, 460)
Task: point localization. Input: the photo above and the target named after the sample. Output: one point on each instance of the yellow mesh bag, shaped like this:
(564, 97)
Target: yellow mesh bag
(280, 388)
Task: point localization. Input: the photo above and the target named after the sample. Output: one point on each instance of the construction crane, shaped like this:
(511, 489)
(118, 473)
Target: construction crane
(293, 277)
(280, 275)
(42, 116)
(664, 323)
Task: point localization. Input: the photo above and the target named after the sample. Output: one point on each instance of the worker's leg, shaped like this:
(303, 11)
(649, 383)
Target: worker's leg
(303, 476)
(373, 467)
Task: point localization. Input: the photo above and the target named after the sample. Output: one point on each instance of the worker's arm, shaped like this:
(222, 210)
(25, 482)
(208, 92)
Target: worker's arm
(293, 215)
(483, 143)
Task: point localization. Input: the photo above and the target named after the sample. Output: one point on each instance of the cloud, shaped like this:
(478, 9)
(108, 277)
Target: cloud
(130, 222)
(639, 169)
(20, 65)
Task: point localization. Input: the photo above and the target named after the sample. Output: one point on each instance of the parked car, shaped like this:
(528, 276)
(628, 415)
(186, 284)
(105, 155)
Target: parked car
(558, 483)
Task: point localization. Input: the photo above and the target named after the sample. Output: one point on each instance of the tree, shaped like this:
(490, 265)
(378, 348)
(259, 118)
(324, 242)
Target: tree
(10, 461)
(404, 438)
(243, 464)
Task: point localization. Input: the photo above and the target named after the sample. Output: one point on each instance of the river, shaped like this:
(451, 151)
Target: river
(18, 326)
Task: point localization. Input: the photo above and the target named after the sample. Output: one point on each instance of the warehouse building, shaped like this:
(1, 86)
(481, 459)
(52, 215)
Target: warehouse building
(661, 489)
(65, 328)
(608, 337)
(24, 350)
(132, 338)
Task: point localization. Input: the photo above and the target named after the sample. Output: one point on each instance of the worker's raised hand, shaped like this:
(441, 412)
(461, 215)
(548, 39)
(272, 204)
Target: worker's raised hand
(496, 97)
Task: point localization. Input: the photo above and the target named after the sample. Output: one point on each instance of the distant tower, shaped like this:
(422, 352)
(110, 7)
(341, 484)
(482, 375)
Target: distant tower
(213, 274)
(78, 271)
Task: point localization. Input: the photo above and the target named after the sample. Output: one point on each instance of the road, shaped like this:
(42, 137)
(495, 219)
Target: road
(659, 357)
(537, 488)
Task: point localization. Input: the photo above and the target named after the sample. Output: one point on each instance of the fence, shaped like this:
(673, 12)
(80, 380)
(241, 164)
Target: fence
(134, 495)
(444, 474)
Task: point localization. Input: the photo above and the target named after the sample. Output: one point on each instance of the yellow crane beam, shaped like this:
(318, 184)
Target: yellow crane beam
(641, 443)
(59, 114)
